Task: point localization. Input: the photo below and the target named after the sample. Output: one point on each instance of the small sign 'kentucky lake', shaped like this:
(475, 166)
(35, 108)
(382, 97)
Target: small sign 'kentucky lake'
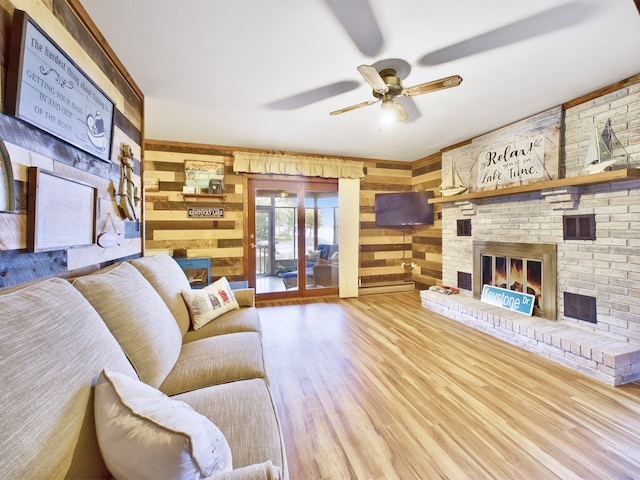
(205, 212)
(508, 299)
(517, 162)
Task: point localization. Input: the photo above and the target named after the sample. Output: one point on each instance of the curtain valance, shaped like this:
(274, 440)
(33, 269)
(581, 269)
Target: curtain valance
(280, 164)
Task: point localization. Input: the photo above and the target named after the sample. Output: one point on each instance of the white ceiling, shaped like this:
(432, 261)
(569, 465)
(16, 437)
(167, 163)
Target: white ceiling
(228, 72)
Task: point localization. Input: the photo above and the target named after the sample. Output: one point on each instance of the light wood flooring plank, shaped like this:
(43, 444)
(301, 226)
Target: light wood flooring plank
(380, 388)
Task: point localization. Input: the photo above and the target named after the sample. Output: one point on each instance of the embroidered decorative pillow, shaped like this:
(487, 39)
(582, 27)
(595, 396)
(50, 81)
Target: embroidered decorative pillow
(144, 434)
(210, 302)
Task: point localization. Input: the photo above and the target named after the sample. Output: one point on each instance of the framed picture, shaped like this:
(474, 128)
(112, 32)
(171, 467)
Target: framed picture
(61, 213)
(46, 89)
(203, 177)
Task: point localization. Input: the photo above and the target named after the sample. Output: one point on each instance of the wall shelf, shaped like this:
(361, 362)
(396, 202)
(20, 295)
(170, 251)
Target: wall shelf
(604, 177)
(204, 195)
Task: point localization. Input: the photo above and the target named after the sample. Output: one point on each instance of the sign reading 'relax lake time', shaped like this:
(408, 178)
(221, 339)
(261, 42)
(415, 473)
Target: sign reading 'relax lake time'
(524, 152)
(48, 90)
(516, 162)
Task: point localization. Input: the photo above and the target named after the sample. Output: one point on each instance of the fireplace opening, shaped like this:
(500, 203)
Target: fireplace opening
(522, 267)
(518, 274)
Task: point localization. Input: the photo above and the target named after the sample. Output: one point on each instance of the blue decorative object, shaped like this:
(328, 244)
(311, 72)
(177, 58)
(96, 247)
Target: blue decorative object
(508, 299)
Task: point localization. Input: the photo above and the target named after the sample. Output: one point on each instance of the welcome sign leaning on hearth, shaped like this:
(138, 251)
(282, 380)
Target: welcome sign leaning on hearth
(524, 152)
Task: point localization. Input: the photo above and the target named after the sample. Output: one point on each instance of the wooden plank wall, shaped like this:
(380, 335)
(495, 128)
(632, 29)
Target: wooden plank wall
(67, 24)
(382, 250)
(426, 246)
(167, 225)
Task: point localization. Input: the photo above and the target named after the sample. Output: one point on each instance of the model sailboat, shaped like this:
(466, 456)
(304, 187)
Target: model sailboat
(599, 156)
(452, 183)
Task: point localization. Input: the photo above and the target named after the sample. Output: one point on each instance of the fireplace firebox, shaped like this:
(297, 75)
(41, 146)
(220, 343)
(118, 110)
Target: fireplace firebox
(522, 267)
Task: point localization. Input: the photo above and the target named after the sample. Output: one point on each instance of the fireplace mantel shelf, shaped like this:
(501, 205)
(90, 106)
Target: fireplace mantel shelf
(605, 177)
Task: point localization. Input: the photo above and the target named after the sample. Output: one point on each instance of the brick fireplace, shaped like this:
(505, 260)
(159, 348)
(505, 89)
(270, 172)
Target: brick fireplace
(589, 316)
(512, 230)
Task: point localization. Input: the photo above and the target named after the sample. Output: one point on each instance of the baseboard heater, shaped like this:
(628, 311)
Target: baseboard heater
(391, 287)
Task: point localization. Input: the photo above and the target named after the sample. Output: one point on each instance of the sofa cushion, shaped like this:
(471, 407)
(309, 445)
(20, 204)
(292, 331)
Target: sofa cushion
(210, 302)
(246, 413)
(52, 346)
(241, 320)
(166, 276)
(138, 318)
(215, 360)
(144, 434)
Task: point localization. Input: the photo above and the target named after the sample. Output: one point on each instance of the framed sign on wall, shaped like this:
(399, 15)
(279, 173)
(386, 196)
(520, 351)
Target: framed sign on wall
(61, 213)
(524, 152)
(48, 90)
(203, 177)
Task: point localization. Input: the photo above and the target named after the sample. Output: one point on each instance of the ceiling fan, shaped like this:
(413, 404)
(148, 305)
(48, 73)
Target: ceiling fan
(387, 85)
(357, 18)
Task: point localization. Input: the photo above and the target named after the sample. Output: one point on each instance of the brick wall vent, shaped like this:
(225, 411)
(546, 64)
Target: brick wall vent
(580, 307)
(579, 227)
(464, 281)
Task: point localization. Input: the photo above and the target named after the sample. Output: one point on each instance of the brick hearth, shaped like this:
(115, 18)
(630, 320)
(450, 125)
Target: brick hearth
(602, 357)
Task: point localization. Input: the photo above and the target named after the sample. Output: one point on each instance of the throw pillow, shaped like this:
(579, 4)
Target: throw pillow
(314, 255)
(210, 302)
(144, 434)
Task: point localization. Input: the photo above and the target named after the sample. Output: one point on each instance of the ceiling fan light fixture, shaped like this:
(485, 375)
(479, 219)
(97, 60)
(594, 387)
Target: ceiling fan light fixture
(389, 114)
(392, 112)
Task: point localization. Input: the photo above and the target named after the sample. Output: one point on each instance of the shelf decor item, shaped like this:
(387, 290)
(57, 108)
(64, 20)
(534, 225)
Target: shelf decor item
(128, 195)
(46, 89)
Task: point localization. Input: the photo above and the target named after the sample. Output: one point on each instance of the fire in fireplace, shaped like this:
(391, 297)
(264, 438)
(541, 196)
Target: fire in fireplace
(522, 267)
(518, 274)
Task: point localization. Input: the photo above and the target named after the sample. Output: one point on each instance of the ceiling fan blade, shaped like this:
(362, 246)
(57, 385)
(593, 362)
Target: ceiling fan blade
(353, 107)
(358, 20)
(447, 82)
(557, 18)
(373, 78)
(312, 96)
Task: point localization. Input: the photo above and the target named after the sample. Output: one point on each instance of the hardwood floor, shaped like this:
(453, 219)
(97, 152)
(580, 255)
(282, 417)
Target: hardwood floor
(380, 388)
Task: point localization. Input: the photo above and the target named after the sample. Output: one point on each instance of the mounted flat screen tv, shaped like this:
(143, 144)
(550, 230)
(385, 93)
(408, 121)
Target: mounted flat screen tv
(404, 209)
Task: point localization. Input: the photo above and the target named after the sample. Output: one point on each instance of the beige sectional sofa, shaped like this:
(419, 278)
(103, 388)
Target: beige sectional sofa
(58, 336)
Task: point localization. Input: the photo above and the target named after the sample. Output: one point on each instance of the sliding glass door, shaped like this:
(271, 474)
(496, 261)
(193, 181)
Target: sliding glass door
(293, 237)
